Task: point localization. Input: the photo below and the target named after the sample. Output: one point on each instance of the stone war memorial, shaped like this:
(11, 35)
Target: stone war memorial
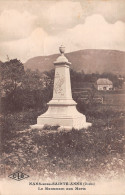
(62, 108)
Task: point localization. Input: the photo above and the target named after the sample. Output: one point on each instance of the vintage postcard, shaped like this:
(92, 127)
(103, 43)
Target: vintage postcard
(62, 103)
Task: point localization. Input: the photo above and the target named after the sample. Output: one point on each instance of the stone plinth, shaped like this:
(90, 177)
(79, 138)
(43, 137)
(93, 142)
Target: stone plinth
(62, 108)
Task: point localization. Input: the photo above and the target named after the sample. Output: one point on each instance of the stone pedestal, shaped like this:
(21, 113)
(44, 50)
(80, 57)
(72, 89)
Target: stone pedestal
(62, 108)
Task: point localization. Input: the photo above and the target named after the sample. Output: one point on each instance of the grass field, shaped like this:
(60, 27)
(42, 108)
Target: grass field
(114, 99)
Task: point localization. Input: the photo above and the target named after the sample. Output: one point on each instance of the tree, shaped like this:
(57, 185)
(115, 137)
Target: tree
(91, 95)
(37, 89)
(12, 73)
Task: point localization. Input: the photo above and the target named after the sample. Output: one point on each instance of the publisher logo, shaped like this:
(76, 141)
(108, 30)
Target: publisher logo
(18, 176)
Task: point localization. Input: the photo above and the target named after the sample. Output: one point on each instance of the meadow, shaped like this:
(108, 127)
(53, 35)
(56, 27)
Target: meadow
(90, 153)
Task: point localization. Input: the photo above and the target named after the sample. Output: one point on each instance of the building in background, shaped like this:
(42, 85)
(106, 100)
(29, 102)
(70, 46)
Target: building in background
(104, 84)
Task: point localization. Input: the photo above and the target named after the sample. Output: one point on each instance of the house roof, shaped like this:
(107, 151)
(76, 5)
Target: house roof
(104, 81)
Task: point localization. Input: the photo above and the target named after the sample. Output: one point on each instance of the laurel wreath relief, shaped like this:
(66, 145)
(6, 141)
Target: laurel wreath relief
(58, 85)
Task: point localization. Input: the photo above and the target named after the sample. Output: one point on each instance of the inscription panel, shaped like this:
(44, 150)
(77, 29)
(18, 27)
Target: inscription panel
(58, 85)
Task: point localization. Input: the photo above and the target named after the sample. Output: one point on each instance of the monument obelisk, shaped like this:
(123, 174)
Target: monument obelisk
(62, 108)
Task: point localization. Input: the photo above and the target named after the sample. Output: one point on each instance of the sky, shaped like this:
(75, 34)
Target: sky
(30, 28)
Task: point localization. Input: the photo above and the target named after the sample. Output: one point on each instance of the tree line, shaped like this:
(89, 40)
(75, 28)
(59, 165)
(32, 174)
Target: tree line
(26, 89)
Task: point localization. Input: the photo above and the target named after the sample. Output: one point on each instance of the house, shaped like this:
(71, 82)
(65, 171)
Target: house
(104, 84)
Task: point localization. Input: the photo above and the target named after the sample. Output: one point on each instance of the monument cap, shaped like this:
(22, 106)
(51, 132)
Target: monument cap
(62, 49)
(62, 59)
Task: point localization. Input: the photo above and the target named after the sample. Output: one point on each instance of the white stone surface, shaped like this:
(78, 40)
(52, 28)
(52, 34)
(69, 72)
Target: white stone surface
(62, 86)
(62, 108)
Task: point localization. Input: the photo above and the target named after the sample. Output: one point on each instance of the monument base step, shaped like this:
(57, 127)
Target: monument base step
(63, 123)
(61, 128)
(65, 116)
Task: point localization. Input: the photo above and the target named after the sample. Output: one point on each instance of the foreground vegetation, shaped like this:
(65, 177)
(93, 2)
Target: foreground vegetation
(91, 154)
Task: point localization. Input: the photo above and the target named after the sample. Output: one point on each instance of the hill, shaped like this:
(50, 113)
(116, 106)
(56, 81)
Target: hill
(90, 61)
